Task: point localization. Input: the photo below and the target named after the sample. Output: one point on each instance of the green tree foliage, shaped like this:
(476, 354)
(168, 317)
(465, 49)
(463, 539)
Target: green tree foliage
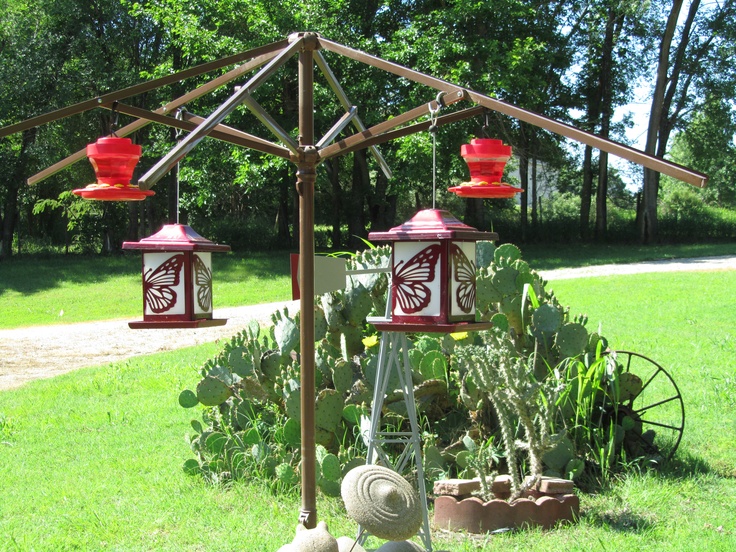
(562, 58)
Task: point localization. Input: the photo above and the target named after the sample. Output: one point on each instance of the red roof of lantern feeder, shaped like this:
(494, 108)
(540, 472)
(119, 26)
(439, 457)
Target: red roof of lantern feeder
(432, 224)
(114, 160)
(486, 159)
(177, 279)
(176, 237)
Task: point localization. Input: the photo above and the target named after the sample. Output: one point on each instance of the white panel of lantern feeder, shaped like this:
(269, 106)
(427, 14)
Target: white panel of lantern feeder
(202, 278)
(416, 294)
(462, 279)
(163, 283)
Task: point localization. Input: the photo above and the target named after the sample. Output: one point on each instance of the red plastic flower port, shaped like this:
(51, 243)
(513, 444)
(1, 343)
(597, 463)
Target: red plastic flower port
(114, 160)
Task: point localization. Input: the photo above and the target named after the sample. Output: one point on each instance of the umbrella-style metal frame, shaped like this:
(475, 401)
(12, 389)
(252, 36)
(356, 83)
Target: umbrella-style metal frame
(306, 154)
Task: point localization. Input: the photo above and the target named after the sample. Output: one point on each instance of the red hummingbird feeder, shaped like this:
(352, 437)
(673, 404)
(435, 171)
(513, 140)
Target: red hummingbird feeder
(114, 160)
(486, 159)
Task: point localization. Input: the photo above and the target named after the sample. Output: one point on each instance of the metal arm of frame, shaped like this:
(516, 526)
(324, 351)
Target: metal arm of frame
(270, 123)
(191, 121)
(341, 123)
(649, 161)
(168, 108)
(347, 104)
(193, 138)
(139, 88)
(358, 141)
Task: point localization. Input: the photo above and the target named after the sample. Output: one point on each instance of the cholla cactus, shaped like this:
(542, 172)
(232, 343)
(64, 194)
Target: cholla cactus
(507, 379)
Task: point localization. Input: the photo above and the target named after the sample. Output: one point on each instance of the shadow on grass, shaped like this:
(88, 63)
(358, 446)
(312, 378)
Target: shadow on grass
(31, 274)
(621, 519)
(685, 465)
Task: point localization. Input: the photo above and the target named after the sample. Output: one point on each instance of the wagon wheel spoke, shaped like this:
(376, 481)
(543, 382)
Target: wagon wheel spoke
(657, 409)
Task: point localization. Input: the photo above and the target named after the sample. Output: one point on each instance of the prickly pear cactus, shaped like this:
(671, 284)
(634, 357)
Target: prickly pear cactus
(213, 391)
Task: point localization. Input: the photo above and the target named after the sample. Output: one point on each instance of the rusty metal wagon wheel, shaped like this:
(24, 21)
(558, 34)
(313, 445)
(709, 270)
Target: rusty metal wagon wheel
(651, 407)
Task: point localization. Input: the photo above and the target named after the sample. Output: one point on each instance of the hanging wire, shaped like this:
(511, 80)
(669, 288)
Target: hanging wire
(179, 116)
(485, 130)
(114, 119)
(433, 114)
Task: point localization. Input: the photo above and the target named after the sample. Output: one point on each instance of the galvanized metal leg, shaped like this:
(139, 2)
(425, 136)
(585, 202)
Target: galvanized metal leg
(393, 353)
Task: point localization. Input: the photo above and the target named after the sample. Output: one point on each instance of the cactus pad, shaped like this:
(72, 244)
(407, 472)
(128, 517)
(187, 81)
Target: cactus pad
(629, 386)
(216, 442)
(506, 254)
(188, 399)
(500, 321)
(330, 467)
(286, 334)
(328, 410)
(558, 457)
(572, 339)
(287, 474)
(320, 323)
(292, 432)
(484, 251)
(240, 361)
(213, 392)
(271, 364)
(547, 318)
(342, 376)
(433, 365)
(293, 405)
(504, 280)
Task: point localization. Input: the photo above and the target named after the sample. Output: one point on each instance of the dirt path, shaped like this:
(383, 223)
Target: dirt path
(47, 351)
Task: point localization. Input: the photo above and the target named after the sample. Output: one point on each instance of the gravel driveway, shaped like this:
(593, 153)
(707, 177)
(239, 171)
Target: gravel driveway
(46, 351)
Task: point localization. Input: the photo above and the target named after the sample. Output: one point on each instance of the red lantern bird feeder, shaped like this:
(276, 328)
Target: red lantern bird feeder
(177, 279)
(433, 271)
(486, 159)
(114, 160)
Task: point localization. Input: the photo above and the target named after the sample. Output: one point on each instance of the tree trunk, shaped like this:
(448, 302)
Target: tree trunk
(475, 214)
(606, 109)
(10, 206)
(586, 193)
(383, 208)
(333, 174)
(535, 217)
(658, 130)
(601, 198)
(361, 183)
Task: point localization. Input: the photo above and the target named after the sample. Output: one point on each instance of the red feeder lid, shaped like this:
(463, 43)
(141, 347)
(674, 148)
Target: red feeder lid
(482, 149)
(176, 237)
(432, 224)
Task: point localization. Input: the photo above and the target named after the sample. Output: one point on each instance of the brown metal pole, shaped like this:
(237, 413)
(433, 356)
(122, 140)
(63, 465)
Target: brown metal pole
(306, 177)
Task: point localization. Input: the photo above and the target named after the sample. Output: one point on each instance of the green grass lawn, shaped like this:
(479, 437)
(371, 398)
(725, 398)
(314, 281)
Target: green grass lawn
(91, 460)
